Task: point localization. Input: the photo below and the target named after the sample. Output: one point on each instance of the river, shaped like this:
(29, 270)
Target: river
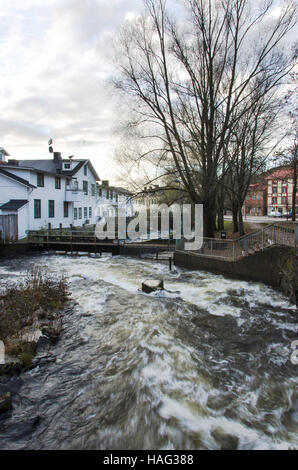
(205, 366)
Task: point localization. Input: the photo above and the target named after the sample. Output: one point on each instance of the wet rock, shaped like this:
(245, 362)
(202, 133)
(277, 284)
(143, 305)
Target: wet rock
(41, 360)
(52, 333)
(11, 368)
(226, 441)
(152, 285)
(31, 335)
(43, 344)
(5, 402)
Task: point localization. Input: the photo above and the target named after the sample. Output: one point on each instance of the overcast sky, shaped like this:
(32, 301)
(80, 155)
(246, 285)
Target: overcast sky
(54, 63)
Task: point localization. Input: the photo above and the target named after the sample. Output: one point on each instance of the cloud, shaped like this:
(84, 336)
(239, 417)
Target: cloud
(55, 62)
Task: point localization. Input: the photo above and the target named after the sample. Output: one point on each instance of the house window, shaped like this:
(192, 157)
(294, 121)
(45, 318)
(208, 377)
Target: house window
(37, 208)
(66, 166)
(90, 212)
(85, 170)
(51, 208)
(92, 189)
(284, 190)
(274, 189)
(100, 192)
(85, 187)
(284, 200)
(254, 197)
(259, 197)
(274, 200)
(80, 212)
(40, 180)
(75, 213)
(57, 183)
(85, 213)
(65, 209)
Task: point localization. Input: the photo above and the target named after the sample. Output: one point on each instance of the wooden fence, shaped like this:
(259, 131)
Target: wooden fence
(8, 228)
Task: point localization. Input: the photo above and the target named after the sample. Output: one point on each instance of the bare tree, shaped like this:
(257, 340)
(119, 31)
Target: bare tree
(192, 86)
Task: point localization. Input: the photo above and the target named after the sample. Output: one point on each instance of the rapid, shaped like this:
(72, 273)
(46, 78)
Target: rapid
(203, 365)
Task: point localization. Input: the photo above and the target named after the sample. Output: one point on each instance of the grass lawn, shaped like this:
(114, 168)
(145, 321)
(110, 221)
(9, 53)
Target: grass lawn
(248, 228)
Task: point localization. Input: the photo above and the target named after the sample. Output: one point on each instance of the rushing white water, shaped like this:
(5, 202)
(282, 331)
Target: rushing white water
(204, 366)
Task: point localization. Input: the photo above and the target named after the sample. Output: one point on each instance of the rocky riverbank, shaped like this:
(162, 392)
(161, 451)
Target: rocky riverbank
(31, 319)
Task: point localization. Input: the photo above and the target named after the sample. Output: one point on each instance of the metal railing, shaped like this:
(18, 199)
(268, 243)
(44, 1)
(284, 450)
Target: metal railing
(280, 234)
(277, 234)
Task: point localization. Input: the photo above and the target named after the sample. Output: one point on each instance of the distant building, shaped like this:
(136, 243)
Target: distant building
(256, 200)
(150, 196)
(111, 198)
(280, 184)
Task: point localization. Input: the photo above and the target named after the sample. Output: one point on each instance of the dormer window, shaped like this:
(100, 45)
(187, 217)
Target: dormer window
(66, 166)
(40, 180)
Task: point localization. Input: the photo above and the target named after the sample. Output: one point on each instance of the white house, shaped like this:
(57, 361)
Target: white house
(48, 193)
(57, 193)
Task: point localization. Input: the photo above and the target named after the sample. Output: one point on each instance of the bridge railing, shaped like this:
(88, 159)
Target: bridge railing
(282, 234)
(65, 236)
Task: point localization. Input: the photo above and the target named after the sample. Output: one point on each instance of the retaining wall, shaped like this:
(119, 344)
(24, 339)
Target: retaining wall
(264, 266)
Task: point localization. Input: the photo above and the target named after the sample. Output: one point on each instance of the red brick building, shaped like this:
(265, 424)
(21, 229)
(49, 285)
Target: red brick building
(256, 200)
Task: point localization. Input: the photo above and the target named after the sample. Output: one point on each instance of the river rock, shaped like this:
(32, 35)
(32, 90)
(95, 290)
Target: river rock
(152, 285)
(226, 441)
(5, 402)
(43, 344)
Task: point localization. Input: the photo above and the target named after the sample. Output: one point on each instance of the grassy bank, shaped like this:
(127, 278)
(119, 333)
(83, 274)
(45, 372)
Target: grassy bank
(30, 306)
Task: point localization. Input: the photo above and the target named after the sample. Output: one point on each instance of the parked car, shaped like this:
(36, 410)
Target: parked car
(275, 214)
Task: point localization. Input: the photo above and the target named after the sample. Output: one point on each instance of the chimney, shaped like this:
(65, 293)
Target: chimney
(57, 156)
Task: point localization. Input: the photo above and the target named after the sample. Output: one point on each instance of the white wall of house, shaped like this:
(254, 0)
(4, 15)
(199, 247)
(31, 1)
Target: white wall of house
(23, 221)
(45, 194)
(85, 207)
(10, 189)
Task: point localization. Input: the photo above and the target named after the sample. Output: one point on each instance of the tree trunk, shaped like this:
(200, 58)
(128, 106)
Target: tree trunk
(294, 191)
(208, 222)
(241, 225)
(220, 220)
(235, 219)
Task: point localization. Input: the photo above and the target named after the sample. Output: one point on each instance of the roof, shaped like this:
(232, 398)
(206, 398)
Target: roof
(81, 163)
(257, 187)
(41, 165)
(2, 150)
(13, 204)
(281, 173)
(122, 190)
(54, 167)
(16, 178)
